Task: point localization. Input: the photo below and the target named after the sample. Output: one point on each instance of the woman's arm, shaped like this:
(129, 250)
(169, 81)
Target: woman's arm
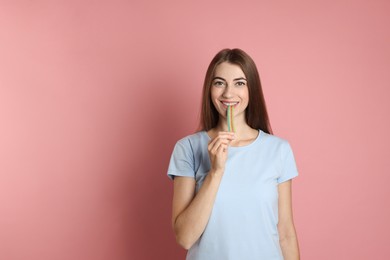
(287, 234)
(190, 212)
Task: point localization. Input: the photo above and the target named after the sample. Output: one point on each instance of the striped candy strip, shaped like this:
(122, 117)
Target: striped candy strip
(232, 116)
(229, 115)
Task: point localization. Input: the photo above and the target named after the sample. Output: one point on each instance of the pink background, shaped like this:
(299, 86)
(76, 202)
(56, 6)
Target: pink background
(94, 95)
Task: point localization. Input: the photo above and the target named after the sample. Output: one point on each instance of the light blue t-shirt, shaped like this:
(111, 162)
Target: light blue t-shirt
(244, 218)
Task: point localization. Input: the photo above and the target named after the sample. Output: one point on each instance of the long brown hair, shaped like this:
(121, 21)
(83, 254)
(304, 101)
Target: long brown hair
(256, 113)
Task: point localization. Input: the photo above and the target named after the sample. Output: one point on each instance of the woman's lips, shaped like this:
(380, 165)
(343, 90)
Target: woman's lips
(229, 103)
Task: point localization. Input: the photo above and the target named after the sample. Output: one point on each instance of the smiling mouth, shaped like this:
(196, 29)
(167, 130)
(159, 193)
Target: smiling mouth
(229, 103)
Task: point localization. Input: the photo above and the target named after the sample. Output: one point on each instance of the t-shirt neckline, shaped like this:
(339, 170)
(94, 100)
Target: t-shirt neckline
(260, 132)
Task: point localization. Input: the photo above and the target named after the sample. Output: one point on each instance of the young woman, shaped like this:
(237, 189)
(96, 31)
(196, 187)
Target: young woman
(232, 189)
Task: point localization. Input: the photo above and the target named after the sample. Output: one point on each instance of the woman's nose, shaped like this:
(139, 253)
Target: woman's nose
(228, 92)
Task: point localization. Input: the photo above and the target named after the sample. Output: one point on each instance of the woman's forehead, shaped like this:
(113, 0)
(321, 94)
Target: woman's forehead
(228, 71)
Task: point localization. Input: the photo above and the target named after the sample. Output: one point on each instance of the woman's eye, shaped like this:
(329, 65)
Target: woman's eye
(240, 83)
(218, 83)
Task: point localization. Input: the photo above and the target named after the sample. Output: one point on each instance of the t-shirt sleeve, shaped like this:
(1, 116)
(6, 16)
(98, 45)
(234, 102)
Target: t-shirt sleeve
(182, 160)
(289, 167)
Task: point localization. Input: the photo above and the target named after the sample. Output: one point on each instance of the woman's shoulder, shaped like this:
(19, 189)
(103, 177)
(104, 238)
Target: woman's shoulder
(194, 139)
(274, 140)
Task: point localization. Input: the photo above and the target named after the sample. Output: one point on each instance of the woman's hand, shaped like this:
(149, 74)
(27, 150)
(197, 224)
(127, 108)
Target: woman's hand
(218, 150)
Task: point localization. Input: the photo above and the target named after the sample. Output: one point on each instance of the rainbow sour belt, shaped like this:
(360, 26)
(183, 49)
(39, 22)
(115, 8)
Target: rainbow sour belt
(229, 115)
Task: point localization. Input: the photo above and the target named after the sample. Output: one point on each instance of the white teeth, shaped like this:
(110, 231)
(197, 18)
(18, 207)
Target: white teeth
(230, 104)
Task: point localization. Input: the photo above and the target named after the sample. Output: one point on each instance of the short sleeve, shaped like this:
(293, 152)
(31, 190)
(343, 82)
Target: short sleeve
(182, 160)
(289, 168)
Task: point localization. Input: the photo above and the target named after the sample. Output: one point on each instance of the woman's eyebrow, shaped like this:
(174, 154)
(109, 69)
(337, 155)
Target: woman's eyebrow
(219, 78)
(233, 79)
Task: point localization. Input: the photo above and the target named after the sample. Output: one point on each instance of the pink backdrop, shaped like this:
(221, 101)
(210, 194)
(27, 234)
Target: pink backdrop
(94, 95)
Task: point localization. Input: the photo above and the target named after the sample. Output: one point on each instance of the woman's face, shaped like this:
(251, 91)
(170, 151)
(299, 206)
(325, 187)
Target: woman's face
(229, 87)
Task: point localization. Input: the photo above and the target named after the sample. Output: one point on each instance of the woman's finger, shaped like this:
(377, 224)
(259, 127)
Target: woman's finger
(222, 135)
(214, 147)
(222, 148)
